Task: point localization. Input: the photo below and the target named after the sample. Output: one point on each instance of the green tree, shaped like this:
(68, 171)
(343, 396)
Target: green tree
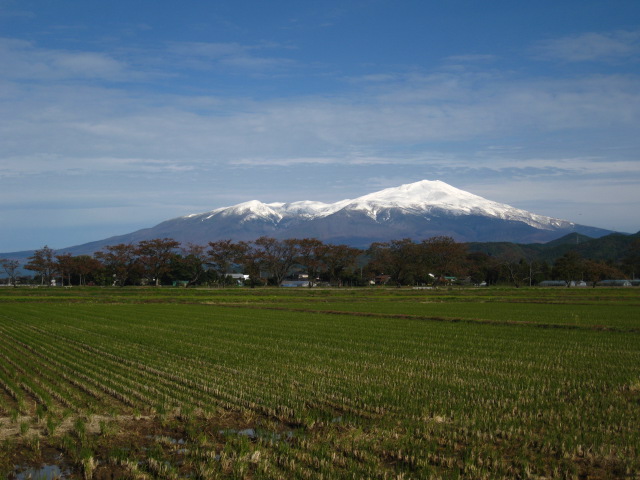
(483, 268)
(631, 260)
(569, 267)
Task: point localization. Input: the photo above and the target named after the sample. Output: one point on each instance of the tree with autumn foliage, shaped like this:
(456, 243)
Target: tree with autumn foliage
(120, 261)
(276, 256)
(397, 258)
(65, 267)
(312, 256)
(596, 271)
(43, 262)
(155, 257)
(87, 267)
(223, 255)
(340, 260)
(443, 257)
(192, 262)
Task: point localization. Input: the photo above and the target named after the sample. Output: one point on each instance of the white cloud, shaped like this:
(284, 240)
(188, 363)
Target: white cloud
(395, 122)
(204, 56)
(44, 165)
(58, 119)
(590, 47)
(472, 58)
(24, 60)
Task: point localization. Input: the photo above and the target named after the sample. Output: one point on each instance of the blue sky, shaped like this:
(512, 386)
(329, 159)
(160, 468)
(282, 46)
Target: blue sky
(117, 115)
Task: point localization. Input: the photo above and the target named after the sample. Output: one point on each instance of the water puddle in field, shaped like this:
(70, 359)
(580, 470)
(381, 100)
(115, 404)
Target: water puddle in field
(177, 441)
(45, 472)
(171, 441)
(254, 434)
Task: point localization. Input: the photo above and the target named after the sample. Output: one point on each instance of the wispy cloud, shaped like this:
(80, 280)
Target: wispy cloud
(24, 60)
(471, 58)
(44, 165)
(203, 55)
(73, 120)
(591, 46)
(397, 121)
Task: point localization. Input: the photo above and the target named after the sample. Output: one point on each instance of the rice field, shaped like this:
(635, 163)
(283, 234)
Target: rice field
(278, 384)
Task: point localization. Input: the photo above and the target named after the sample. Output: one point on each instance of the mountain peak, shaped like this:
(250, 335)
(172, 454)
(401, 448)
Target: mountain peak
(419, 194)
(414, 210)
(252, 210)
(417, 210)
(425, 197)
(428, 197)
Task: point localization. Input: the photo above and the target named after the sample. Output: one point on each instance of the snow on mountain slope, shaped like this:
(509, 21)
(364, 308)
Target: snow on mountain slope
(425, 196)
(420, 198)
(305, 209)
(417, 211)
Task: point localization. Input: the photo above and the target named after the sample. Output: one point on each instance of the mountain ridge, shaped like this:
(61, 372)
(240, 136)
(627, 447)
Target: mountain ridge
(419, 197)
(416, 210)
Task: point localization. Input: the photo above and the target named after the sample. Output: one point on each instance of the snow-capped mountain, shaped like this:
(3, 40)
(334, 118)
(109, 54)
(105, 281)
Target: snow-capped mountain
(417, 210)
(420, 198)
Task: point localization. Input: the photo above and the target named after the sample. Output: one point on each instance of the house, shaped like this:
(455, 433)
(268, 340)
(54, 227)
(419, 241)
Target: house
(296, 283)
(615, 283)
(553, 283)
(240, 278)
(382, 279)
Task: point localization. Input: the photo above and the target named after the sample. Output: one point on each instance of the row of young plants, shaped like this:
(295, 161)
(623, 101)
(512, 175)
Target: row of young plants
(339, 395)
(617, 316)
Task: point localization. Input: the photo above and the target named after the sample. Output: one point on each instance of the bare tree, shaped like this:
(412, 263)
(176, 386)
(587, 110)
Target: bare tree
(517, 271)
(11, 268)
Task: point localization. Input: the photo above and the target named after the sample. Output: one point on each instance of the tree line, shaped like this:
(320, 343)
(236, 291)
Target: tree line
(433, 261)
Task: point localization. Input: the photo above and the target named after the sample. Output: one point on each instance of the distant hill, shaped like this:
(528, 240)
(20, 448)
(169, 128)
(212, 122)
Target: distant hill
(611, 247)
